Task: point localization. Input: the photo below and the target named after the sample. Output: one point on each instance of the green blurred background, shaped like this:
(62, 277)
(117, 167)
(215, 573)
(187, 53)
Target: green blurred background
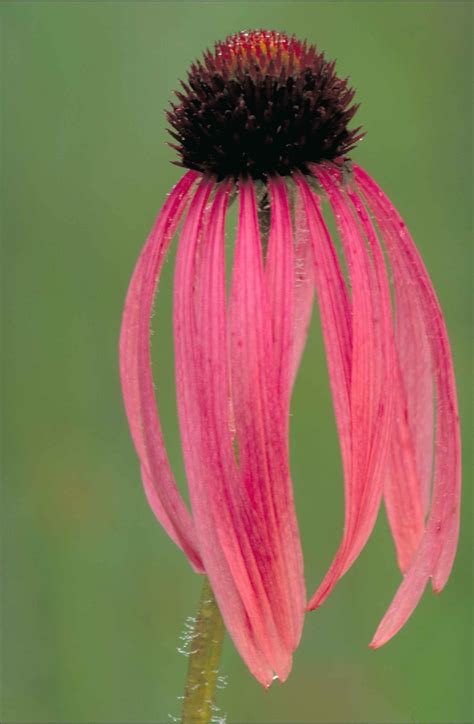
(95, 596)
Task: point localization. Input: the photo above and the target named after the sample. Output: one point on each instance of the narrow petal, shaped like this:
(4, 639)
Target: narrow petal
(371, 383)
(280, 292)
(279, 278)
(203, 392)
(435, 554)
(402, 487)
(417, 377)
(304, 284)
(137, 380)
(335, 314)
(259, 407)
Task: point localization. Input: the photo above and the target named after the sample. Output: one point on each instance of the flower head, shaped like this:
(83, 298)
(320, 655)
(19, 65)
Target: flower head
(262, 103)
(266, 108)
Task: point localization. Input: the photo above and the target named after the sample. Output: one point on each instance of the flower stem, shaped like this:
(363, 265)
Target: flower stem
(204, 660)
(264, 220)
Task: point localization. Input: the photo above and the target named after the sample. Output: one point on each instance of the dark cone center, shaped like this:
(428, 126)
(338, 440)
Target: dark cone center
(262, 103)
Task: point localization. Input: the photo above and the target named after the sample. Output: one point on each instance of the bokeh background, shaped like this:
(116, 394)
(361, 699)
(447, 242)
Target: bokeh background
(94, 595)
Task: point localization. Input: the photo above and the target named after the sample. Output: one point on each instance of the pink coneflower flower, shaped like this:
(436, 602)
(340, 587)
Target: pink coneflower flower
(264, 120)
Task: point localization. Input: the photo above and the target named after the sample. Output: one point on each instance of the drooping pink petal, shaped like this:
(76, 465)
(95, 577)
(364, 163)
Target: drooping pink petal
(279, 278)
(290, 283)
(304, 284)
(283, 306)
(335, 313)
(371, 383)
(260, 364)
(402, 487)
(403, 490)
(435, 554)
(137, 381)
(235, 565)
(417, 377)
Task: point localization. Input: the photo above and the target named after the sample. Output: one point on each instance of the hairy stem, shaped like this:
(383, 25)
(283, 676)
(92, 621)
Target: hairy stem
(204, 660)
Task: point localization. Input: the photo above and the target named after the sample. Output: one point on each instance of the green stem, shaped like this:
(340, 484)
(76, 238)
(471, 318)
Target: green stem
(264, 220)
(203, 667)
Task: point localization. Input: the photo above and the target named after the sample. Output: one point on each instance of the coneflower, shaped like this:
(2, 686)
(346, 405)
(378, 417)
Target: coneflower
(264, 118)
